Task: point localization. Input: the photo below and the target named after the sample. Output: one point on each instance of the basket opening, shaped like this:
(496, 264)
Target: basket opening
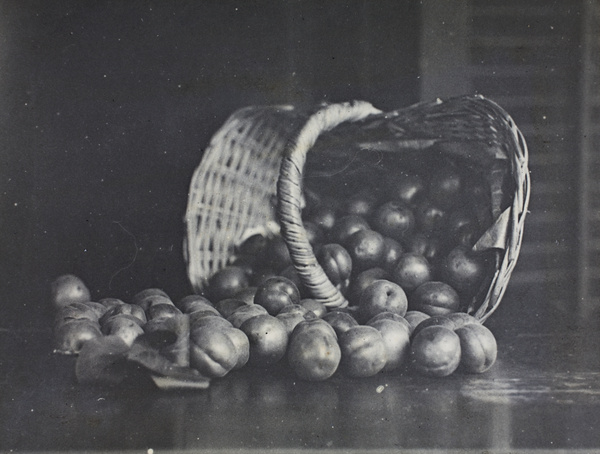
(341, 169)
(338, 172)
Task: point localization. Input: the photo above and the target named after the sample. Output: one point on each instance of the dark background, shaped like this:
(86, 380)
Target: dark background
(107, 106)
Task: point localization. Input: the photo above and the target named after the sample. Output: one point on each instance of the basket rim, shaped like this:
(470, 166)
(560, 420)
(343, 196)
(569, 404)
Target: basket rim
(329, 116)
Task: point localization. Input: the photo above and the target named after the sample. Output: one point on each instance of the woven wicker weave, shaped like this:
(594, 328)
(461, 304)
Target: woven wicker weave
(251, 178)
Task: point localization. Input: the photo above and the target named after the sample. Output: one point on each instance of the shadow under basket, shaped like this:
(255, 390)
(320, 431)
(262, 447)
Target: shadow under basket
(254, 175)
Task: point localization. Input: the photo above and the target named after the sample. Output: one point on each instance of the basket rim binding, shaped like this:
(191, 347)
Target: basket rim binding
(289, 188)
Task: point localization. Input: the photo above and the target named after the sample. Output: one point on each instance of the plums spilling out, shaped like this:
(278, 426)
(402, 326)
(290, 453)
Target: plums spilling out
(402, 257)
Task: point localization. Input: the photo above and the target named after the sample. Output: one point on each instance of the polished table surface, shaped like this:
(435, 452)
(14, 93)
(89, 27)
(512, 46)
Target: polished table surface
(543, 393)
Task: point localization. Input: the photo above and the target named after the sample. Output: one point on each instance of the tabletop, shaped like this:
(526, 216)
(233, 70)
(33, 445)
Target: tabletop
(543, 393)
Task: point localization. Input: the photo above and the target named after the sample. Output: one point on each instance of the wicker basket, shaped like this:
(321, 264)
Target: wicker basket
(250, 179)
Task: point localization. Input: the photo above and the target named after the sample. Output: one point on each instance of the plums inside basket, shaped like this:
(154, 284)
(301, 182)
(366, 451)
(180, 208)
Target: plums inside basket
(412, 216)
(409, 215)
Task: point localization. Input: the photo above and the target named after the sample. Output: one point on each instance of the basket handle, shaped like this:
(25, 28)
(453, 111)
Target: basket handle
(289, 193)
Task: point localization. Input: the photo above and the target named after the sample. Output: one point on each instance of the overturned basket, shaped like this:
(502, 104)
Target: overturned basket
(251, 177)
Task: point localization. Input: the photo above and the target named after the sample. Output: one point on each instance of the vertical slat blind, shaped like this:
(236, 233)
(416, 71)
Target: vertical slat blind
(525, 55)
(589, 250)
